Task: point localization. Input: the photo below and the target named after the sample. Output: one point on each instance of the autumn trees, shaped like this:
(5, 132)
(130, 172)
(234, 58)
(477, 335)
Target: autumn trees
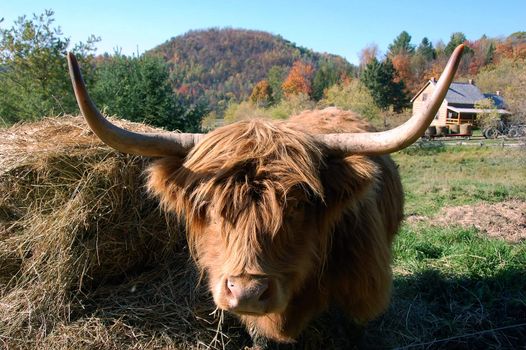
(384, 83)
(219, 66)
(508, 76)
(261, 94)
(35, 83)
(303, 78)
(391, 79)
(217, 70)
(298, 80)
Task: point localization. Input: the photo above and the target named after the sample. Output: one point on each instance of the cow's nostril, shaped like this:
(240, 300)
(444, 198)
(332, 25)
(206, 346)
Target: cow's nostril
(229, 287)
(265, 295)
(263, 289)
(230, 284)
(248, 292)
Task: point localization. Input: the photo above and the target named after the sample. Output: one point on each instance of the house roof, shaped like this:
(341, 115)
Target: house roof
(420, 91)
(498, 101)
(463, 93)
(477, 110)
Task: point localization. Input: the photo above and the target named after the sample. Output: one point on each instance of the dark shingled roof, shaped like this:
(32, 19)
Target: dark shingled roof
(497, 100)
(463, 93)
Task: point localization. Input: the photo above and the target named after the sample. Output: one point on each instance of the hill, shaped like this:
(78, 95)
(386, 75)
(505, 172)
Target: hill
(219, 65)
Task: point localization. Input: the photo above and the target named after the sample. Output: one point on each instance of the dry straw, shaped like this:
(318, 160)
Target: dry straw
(87, 260)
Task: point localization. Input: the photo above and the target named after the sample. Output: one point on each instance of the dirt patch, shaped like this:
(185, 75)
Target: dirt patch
(506, 220)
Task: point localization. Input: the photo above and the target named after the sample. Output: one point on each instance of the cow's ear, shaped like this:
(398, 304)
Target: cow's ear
(166, 180)
(347, 179)
(175, 186)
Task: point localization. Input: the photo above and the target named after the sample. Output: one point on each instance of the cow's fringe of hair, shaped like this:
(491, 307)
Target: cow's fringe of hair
(250, 174)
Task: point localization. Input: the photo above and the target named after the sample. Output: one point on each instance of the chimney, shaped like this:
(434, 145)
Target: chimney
(497, 92)
(471, 82)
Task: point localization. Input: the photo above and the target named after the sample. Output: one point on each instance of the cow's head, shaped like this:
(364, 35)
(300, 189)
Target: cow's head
(257, 196)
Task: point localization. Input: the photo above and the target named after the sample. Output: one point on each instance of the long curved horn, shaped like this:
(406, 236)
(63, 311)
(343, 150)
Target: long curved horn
(376, 143)
(147, 144)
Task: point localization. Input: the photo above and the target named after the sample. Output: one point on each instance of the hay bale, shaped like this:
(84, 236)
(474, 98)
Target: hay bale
(86, 258)
(454, 129)
(441, 130)
(431, 131)
(466, 129)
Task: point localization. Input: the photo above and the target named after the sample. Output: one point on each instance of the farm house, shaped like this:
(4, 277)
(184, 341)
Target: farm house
(458, 106)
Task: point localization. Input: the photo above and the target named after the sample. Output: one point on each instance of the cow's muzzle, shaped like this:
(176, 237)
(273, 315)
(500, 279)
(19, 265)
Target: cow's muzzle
(248, 294)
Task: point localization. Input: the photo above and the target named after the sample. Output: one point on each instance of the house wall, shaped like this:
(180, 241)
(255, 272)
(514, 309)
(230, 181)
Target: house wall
(419, 103)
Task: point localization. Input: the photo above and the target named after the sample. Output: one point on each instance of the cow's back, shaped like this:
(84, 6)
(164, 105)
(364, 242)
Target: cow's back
(358, 274)
(330, 120)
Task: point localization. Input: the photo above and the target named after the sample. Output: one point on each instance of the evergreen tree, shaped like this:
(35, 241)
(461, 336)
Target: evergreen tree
(490, 53)
(275, 77)
(380, 79)
(426, 50)
(456, 39)
(402, 44)
(138, 89)
(326, 76)
(34, 76)
(421, 62)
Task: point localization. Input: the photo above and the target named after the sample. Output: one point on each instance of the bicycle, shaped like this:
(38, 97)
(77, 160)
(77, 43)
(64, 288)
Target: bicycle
(517, 131)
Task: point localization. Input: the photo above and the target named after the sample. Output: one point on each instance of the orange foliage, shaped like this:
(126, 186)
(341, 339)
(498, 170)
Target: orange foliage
(508, 49)
(261, 93)
(299, 79)
(402, 65)
(368, 53)
(345, 79)
(435, 70)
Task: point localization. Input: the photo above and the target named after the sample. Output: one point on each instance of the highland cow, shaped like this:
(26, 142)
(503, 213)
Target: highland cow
(286, 218)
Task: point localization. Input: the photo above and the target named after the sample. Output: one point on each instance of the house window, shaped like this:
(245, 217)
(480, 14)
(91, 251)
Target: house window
(424, 97)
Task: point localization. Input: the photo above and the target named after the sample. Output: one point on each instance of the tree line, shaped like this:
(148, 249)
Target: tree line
(219, 66)
(384, 84)
(162, 89)
(35, 83)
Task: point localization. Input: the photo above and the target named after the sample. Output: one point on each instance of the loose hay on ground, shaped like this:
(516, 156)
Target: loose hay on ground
(505, 220)
(86, 259)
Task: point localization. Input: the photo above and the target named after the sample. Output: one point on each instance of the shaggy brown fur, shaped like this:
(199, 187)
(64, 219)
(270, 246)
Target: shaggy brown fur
(264, 198)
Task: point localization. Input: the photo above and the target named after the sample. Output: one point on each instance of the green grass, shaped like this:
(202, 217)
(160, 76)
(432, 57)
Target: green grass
(450, 176)
(455, 252)
(455, 287)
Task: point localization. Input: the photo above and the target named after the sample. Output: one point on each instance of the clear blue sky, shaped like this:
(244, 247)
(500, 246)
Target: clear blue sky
(339, 27)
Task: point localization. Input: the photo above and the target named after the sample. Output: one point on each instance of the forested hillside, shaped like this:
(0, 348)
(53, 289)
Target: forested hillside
(220, 65)
(193, 80)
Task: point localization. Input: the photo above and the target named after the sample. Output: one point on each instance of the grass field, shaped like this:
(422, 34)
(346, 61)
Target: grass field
(454, 286)
(435, 177)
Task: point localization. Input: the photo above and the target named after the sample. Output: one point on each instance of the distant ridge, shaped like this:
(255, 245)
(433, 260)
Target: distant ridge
(216, 65)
